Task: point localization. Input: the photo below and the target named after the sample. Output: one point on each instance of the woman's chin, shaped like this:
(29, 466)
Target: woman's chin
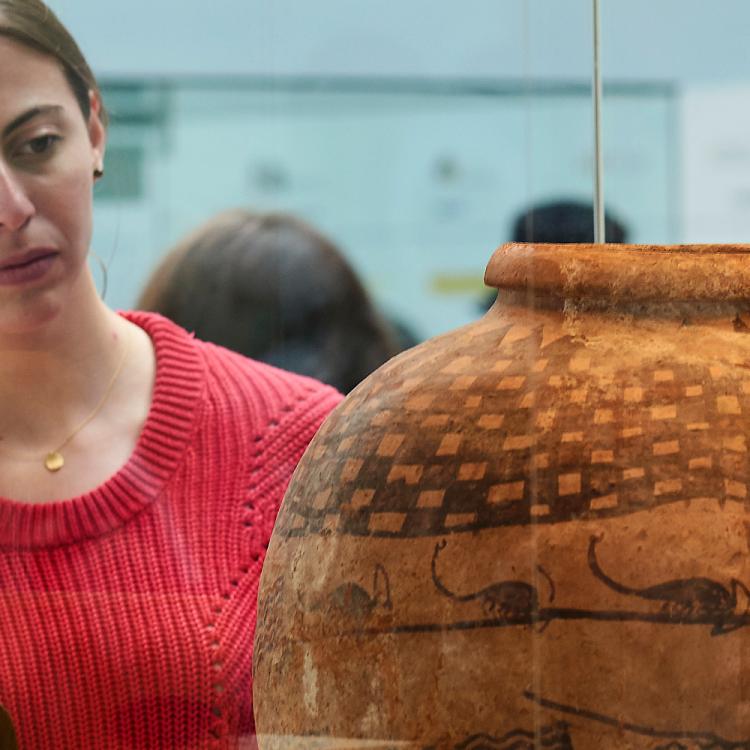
(28, 319)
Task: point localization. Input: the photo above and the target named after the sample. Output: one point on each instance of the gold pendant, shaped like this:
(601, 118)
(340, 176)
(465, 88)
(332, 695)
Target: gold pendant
(54, 461)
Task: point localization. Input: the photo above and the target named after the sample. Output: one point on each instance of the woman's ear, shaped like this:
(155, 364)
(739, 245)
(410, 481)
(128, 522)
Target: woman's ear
(97, 132)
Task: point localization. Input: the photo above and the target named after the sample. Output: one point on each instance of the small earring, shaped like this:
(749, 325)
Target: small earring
(98, 174)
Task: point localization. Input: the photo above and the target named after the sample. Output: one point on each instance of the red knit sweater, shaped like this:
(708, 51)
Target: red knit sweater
(127, 614)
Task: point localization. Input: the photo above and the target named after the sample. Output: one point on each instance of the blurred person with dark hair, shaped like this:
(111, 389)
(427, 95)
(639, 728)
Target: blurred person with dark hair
(563, 221)
(275, 289)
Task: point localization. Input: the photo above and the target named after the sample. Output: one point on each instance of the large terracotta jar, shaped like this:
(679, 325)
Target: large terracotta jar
(531, 532)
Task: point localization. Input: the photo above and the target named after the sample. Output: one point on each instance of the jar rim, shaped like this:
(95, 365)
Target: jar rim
(623, 272)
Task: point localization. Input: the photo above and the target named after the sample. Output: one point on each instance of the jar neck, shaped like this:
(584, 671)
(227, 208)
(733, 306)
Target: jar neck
(684, 310)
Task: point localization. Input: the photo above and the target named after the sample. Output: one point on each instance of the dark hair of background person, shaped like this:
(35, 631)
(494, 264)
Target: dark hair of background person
(564, 221)
(559, 222)
(33, 24)
(275, 289)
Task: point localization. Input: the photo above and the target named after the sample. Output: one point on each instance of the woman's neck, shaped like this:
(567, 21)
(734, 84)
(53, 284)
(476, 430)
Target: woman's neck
(53, 377)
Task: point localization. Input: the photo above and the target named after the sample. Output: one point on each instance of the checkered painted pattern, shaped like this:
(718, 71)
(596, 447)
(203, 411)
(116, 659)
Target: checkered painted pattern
(441, 440)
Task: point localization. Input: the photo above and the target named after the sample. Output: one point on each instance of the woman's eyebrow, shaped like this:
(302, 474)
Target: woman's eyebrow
(30, 115)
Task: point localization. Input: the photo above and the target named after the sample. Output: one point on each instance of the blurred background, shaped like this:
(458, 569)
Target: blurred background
(413, 132)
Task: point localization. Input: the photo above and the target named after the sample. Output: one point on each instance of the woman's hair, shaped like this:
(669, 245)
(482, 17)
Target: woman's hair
(273, 288)
(33, 24)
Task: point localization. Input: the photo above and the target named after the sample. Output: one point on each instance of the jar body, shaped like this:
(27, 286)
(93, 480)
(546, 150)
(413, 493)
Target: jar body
(533, 529)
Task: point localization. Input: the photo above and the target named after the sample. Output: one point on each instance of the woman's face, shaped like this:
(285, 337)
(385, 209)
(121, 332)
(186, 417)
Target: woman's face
(48, 154)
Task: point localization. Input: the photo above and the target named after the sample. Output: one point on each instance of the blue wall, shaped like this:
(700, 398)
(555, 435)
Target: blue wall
(363, 167)
(681, 40)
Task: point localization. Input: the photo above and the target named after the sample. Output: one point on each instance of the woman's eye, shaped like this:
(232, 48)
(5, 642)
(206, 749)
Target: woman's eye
(39, 145)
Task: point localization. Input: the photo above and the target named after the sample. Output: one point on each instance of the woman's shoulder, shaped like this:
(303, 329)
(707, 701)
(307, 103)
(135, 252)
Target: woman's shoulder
(281, 410)
(233, 370)
(231, 384)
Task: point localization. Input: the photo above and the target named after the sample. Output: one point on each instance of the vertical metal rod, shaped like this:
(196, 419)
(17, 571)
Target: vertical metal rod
(528, 122)
(598, 157)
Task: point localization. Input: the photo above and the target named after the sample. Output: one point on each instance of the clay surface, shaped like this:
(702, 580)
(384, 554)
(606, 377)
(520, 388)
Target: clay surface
(533, 531)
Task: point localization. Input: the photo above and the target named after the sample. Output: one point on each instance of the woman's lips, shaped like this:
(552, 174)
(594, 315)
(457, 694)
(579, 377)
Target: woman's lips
(26, 268)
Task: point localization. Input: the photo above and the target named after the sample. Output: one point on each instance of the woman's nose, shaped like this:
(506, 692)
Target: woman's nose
(15, 207)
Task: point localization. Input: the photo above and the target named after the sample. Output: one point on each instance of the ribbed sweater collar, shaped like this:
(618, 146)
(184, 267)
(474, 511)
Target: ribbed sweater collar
(178, 388)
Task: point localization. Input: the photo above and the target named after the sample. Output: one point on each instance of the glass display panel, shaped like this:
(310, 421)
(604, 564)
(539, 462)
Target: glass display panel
(527, 529)
(417, 182)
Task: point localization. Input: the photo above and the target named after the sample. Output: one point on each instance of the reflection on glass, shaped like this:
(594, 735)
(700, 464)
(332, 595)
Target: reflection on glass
(417, 182)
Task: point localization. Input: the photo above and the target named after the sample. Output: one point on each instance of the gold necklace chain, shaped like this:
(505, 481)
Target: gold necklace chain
(54, 460)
